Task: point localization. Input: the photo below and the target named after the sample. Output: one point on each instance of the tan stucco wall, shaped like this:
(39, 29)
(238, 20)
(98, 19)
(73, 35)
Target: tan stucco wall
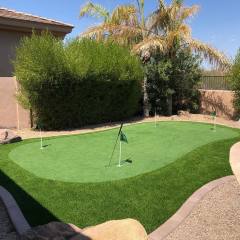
(219, 100)
(9, 40)
(12, 115)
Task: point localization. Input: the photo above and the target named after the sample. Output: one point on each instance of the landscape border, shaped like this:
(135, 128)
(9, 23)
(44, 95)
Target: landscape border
(173, 222)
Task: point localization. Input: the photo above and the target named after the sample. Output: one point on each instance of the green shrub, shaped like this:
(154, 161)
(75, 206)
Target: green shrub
(173, 82)
(235, 82)
(77, 83)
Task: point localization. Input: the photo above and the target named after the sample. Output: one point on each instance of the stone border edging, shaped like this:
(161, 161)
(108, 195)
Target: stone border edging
(173, 222)
(234, 159)
(15, 214)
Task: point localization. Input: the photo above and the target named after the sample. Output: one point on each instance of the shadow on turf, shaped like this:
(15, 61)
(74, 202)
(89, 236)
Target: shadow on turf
(33, 211)
(127, 161)
(123, 162)
(46, 145)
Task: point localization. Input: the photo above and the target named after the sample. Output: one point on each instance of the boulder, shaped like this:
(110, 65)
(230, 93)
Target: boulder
(126, 229)
(182, 113)
(8, 136)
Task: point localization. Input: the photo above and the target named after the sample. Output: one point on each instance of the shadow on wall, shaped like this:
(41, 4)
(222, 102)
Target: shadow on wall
(219, 101)
(32, 210)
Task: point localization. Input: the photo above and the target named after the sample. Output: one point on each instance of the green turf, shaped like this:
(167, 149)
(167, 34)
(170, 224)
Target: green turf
(83, 158)
(150, 198)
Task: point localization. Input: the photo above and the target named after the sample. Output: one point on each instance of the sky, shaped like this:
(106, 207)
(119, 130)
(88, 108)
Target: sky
(217, 23)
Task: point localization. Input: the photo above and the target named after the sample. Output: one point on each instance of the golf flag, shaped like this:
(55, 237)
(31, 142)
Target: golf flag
(213, 114)
(123, 137)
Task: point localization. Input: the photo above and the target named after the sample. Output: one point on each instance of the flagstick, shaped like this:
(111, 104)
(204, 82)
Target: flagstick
(120, 154)
(214, 127)
(110, 160)
(41, 139)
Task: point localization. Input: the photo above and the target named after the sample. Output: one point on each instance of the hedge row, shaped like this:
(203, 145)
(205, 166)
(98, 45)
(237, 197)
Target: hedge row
(85, 103)
(69, 85)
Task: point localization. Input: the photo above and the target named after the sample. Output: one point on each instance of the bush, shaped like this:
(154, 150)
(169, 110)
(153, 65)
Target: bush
(235, 82)
(77, 83)
(172, 84)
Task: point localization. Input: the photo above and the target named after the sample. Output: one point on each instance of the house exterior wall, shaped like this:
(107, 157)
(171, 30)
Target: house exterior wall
(219, 100)
(9, 40)
(12, 115)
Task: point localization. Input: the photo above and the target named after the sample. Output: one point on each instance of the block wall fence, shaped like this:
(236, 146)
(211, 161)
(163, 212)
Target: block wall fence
(13, 116)
(219, 100)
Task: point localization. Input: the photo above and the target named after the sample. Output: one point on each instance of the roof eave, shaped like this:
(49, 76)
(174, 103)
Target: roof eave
(28, 26)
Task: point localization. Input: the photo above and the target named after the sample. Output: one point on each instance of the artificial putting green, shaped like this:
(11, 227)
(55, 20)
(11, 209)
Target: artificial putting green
(84, 158)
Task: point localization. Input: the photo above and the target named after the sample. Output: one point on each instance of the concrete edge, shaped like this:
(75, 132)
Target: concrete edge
(234, 159)
(173, 222)
(15, 214)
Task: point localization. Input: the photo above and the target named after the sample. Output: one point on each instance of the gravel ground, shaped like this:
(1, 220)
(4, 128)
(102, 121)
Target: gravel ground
(216, 217)
(7, 231)
(29, 133)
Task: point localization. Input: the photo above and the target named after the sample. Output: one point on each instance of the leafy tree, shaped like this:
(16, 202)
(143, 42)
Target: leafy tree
(172, 84)
(235, 81)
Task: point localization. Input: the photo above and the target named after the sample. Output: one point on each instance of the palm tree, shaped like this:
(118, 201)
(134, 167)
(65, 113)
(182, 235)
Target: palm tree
(121, 25)
(165, 30)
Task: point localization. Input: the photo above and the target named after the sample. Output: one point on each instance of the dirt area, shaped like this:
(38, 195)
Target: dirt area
(29, 133)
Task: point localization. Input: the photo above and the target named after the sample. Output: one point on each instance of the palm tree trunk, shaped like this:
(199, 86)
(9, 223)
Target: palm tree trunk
(169, 105)
(146, 106)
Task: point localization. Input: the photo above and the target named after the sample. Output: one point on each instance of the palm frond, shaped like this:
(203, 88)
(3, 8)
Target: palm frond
(173, 10)
(188, 12)
(211, 54)
(125, 14)
(94, 10)
(161, 4)
(150, 44)
(184, 30)
(115, 31)
(159, 19)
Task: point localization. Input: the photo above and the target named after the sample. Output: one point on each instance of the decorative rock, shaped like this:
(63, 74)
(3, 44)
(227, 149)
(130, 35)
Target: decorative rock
(184, 113)
(127, 229)
(7, 136)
